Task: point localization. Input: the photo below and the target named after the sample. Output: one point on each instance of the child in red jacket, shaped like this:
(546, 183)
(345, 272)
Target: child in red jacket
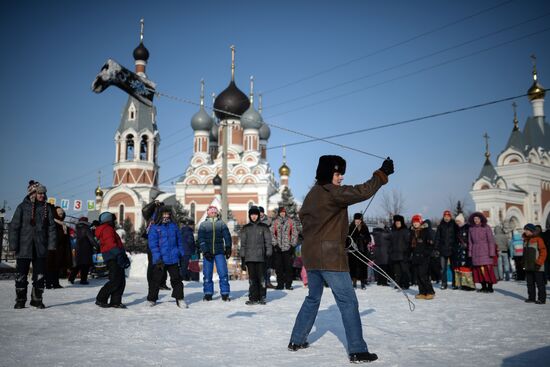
(116, 260)
(534, 255)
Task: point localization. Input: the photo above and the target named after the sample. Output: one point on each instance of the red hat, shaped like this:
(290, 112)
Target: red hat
(448, 212)
(416, 218)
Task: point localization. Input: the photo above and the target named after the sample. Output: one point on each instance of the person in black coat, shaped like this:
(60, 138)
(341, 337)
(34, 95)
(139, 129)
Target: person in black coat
(382, 244)
(85, 245)
(445, 243)
(59, 260)
(400, 252)
(31, 234)
(359, 231)
(421, 251)
(434, 268)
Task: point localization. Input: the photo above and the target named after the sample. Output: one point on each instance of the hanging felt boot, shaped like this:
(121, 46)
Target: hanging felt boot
(36, 298)
(21, 298)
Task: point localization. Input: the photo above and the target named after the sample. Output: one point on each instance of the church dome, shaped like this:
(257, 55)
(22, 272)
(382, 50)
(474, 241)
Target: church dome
(536, 91)
(284, 170)
(231, 103)
(217, 180)
(265, 132)
(251, 119)
(141, 53)
(98, 192)
(201, 121)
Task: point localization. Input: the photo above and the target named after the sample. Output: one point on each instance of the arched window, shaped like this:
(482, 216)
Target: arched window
(192, 212)
(132, 112)
(130, 147)
(143, 149)
(121, 214)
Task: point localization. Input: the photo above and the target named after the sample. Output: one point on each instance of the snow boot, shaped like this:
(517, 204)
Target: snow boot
(539, 302)
(420, 296)
(294, 347)
(429, 296)
(483, 288)
(181, 303)
(118, 305)
(528, 300)
(364, 357)
(251, 303)
(225, 298)
(207, 297)
(21, 298)
(164, 287)
(151, 303)
(36, 298)
(262, 301)
(490, 288)
(102, 304)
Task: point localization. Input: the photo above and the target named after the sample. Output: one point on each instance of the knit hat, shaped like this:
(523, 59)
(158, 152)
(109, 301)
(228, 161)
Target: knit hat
(253, 210)
(35, 186)
(328, 165)
(460, 218)
(416, 218)
(212, 210)
(357, 216)
(106, 217)
(530, 227)
(448, 212)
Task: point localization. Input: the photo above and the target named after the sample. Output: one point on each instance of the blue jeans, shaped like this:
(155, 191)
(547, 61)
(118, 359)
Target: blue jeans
(503, 266)
(208, 269)
(342, 289)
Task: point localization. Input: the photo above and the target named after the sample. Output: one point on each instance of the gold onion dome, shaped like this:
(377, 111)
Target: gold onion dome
(536, 91)
(284, 170)
(98, 191)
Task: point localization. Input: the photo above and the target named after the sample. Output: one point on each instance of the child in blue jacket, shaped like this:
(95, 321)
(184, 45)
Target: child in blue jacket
(166, 245)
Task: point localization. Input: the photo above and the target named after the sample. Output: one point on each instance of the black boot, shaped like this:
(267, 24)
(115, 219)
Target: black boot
(294, 347)
(36, 298)
(490, 288)
(362, 357)
(21, 298)
(483, 288)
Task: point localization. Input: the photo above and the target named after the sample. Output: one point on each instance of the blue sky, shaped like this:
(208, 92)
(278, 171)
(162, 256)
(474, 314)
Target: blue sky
(55, 130)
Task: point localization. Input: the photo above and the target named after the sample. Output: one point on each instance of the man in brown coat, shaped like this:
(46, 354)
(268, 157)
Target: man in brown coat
(324, 218)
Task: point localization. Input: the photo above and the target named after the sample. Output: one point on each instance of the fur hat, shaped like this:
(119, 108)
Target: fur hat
(328, 165)
(357, 216)
(253, 210)
(261, 209)
(416, 218)
(460, 218)
(35, 186)
(399, 218)
(530, 227)
(448, 212)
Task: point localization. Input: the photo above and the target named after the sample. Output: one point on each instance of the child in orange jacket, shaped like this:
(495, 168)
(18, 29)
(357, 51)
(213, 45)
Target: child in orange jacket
(534, 255)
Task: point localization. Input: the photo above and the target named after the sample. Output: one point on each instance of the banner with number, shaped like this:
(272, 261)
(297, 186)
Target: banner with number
(91, 204)
(52, 201)
(64, 204)
(77, 205)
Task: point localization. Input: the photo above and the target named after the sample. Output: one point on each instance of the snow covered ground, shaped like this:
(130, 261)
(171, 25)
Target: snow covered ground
(457, 328)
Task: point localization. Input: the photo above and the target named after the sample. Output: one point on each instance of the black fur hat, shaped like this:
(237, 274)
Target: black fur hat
(328, 165)
(357, 216)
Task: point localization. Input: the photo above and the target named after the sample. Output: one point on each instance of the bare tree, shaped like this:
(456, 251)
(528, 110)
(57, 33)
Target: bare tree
(463, 205)
(392, 203)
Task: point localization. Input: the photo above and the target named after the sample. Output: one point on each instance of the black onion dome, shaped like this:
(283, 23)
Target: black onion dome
(217, 181)
(231, 100)
(141, 53)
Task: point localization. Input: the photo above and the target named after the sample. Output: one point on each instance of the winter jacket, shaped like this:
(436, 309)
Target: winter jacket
(445, 237)
(188, 238)
(361, 237)
(481, 242)
(165, 243)
(534, 253)
(214, 236)
(382, 240)
(501, 239)
(85, 244)
(461, 251)
(284, 233)
(422, 245)
(324, 216)
(399, 244)
(61, 257)
(516, 244)
(255, 242)
(110, 243)
(24, 236)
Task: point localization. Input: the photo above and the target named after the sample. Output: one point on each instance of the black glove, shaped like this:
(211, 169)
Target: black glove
(243, 264)
(387, 166)
(160, 265)
(227, 252)
(208, 256)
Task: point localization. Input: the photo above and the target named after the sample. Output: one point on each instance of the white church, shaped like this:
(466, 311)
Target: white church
(516, 190)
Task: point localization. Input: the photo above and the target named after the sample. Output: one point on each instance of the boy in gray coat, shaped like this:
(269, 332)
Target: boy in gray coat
(255, 248)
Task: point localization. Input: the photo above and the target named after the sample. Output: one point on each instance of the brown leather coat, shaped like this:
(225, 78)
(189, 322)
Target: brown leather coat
(324, 217)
